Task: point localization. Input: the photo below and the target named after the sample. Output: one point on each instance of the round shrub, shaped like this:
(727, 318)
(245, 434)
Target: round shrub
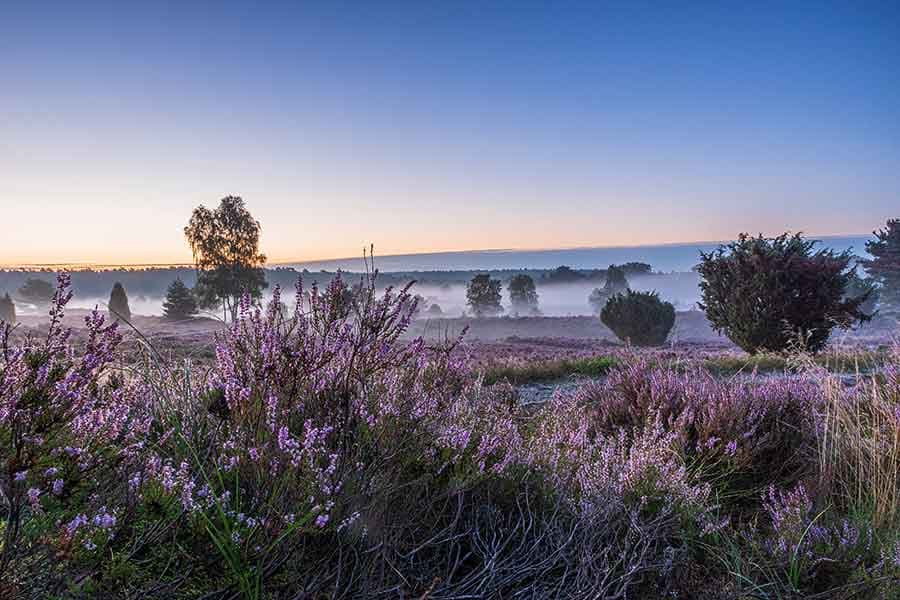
(766, 294)
(640, 318)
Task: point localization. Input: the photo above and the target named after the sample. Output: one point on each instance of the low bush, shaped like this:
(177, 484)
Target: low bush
(739, 435)
(639, 318)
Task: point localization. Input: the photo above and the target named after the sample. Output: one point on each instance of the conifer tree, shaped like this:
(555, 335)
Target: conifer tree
(180, 302)
(118, 304)
(7, 310)
(885, 267)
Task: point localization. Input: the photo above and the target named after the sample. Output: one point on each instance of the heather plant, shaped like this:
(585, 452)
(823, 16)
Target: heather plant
(7, 310)
(313, 420)
(118, 304)
(639, 318)
(737, 434)
(324, 453)
(766, 293)
(66, 440)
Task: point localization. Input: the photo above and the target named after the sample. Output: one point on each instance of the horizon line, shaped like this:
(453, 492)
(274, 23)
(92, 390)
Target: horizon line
(548, 249)
(283, 262)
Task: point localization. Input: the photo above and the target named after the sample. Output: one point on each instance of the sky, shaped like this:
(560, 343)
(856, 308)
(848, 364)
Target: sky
(436, 126)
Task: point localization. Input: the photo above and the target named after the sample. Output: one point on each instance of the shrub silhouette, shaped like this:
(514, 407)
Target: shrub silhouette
(765, 294)
(640, 318)
(118, 304)
(180, 303)
(7, 310)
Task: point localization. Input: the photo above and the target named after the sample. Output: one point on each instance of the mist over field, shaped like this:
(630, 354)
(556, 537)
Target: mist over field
(556, 300)
(673, 278)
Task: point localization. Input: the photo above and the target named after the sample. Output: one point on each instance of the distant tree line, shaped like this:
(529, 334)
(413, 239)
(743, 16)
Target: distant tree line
(153, 282)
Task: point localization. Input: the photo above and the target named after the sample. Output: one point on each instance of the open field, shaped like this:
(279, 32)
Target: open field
(332, 455)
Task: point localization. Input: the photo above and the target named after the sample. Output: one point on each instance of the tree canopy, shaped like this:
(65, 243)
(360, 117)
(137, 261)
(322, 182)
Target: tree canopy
(523, 295)
(483, 296)
(225, 245)
(616, 283)
(563, 274)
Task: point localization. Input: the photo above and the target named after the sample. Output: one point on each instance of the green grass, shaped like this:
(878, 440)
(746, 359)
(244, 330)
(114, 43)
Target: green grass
(834, 361)
(731, 364)
(593, 366)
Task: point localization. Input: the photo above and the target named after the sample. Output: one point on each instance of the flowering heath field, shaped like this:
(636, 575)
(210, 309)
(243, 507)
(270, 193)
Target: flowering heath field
(325, 455)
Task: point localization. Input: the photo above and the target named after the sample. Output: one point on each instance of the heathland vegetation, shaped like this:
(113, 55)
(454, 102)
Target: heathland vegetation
(323, 452)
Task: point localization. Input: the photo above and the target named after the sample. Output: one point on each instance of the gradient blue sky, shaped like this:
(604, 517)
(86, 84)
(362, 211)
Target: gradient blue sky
(428, 126)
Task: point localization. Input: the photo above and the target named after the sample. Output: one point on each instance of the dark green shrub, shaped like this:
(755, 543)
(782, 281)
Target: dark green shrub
(118, 304)
(766, 294)
(640, 318)
(180, 302)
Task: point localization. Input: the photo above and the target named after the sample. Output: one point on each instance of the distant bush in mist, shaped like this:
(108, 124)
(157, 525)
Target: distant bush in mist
(639, 318)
